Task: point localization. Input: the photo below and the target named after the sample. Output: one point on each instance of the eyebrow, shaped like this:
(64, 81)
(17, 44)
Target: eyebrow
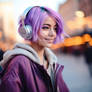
(49, 24)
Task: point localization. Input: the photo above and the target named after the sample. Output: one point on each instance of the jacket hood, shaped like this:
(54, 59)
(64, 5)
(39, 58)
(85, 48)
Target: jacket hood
(28, 51)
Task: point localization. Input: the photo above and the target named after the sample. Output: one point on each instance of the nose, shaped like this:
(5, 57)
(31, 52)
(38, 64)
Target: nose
(52, 32)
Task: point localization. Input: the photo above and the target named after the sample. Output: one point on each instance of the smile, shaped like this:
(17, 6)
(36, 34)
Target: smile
(49, 40)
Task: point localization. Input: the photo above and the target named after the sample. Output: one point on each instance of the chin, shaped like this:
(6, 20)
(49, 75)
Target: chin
(48, 45)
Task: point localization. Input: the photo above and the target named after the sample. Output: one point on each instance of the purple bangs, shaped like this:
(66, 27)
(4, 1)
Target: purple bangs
(59, 22)
(35, 18)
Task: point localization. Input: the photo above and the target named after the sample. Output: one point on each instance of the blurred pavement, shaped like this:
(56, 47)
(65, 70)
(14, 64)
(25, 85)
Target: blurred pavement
(76, 73)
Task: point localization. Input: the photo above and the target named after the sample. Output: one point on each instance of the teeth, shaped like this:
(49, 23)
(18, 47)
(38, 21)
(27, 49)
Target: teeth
(49, 39)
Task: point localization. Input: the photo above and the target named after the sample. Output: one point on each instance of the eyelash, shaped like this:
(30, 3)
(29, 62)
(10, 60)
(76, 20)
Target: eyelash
(45, 27)
(48, 28)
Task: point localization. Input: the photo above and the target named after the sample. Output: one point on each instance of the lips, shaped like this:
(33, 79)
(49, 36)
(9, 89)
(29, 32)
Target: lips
(49, 40)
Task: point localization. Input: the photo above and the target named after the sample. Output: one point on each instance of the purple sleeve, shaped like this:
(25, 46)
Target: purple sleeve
(11, 81)
(10, 85)
(61, 85)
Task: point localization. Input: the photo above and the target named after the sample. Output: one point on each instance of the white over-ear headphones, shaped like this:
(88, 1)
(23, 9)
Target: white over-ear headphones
(25, 30)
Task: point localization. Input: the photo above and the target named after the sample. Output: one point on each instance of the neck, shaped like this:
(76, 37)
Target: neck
(39, 50)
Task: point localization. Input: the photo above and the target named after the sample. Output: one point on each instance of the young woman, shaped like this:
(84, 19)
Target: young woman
(33, 67)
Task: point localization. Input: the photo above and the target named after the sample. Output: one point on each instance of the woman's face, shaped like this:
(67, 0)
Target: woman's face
(47, 34)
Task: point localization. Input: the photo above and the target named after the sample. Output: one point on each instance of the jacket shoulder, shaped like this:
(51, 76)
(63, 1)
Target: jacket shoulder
(18, 64)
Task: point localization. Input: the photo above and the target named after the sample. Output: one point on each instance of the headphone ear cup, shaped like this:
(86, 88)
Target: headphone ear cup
(26, 32)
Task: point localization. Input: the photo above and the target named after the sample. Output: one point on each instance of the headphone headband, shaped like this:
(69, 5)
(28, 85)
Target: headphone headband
(26, 11)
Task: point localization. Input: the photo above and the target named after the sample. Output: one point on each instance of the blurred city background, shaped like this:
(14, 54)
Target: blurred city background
(75, 52)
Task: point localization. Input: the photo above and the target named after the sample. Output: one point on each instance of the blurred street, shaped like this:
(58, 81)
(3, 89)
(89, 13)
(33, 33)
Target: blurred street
(76, 73)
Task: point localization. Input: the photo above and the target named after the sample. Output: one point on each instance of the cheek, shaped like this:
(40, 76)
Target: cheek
(41, 37)
(43, 34)
(55, 35)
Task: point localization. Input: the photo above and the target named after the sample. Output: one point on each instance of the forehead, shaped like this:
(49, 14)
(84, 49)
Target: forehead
(49, 20)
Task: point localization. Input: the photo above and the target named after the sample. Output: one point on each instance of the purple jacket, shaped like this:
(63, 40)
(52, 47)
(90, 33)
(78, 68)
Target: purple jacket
(23, 75)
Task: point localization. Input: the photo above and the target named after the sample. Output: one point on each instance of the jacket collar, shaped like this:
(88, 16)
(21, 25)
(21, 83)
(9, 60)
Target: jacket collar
(28, 51)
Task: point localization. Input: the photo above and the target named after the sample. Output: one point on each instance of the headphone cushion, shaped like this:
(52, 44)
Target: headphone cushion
(26, 32)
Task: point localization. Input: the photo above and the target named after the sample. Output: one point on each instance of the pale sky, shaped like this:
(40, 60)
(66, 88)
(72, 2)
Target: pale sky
(21, 5)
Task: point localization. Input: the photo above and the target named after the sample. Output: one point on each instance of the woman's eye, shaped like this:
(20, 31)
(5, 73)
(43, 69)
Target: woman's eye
(55, 29)
(45, 27)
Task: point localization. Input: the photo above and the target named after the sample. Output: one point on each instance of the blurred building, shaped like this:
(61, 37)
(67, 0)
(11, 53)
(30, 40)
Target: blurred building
(74, 13)
(86, 6)
(7, 24)
(67, 11)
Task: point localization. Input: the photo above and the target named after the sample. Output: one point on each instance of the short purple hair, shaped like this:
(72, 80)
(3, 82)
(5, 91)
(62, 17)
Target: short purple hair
(35, 18)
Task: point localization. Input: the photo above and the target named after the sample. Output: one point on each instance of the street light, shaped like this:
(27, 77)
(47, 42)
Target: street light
(79, 14)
